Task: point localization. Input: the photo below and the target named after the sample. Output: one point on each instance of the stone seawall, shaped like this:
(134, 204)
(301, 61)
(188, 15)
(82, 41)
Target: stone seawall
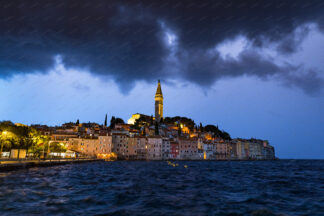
(10, 166)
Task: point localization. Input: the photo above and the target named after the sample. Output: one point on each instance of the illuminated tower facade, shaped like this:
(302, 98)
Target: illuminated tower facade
(158, 103)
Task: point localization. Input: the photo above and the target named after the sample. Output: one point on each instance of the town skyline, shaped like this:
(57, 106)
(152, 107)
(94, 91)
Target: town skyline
(100, 119)
(142, 137)
(256, 71)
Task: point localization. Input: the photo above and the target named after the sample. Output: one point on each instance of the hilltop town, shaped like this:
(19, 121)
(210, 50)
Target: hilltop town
(143, 137)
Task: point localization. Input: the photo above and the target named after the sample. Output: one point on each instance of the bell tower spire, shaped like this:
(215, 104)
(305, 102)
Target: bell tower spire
(158, 103)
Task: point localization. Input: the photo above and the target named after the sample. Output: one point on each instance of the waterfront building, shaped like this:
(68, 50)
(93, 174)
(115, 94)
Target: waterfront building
(200, 147)
(158, 103)
(166, 150)
(239, 153)
(246, 149)
(231, 150)
(120, 145)
(268, 152)
(221, 150)
(154, 148)
(105, 145)
(255, 151)
(141, 147)
(132, 148)
(209, 149)
(85, 146)
(175, 154)
(188, 148)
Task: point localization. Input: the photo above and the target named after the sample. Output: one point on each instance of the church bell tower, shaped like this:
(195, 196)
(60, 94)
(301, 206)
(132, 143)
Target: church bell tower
(158, 103)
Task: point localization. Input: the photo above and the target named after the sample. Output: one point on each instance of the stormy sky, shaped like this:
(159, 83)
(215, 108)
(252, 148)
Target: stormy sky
(219, 62)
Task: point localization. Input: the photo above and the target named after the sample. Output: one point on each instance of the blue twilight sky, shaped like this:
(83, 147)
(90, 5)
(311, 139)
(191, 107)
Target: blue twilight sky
(256, 79)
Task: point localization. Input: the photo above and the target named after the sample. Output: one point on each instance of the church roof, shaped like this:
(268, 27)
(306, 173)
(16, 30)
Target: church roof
(158, 90)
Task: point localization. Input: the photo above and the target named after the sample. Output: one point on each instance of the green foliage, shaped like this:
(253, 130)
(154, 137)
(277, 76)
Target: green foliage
(201, 128)
(143, 121)
(57, 147)
(119, 121)
(151, 120)
(20, 137)
(226, 136)
(38, 149)
(106, 120)
(143, 132)
(40, 145)
(179, 130)
(217, 132)
(115, 121)
(180, 120)
(157, 128)
(112, 122)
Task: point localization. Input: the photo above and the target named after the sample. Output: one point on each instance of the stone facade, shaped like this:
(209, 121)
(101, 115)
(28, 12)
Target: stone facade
(154, 148)
(188, 149)
(120, 145)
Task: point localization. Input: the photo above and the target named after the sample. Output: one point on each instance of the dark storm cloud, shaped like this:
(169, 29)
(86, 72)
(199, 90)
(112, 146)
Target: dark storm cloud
(213, 67)
(125, 40)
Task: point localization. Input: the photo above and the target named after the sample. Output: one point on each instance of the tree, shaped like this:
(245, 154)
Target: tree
(112, 122)
(226, 136)
(178, 119)
(77, 122)
(40, 143)
(20, 137)
(143, 131)
(151, 120)
(217, 132)
(179, 129)
(156, 128)
(119, 121)
(196, 128)
(8, 136)
(5, 144)
(106, 120)
(57, 147)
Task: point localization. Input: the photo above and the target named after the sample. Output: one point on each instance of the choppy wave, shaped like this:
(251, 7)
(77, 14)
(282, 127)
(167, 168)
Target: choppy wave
(284, 187)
